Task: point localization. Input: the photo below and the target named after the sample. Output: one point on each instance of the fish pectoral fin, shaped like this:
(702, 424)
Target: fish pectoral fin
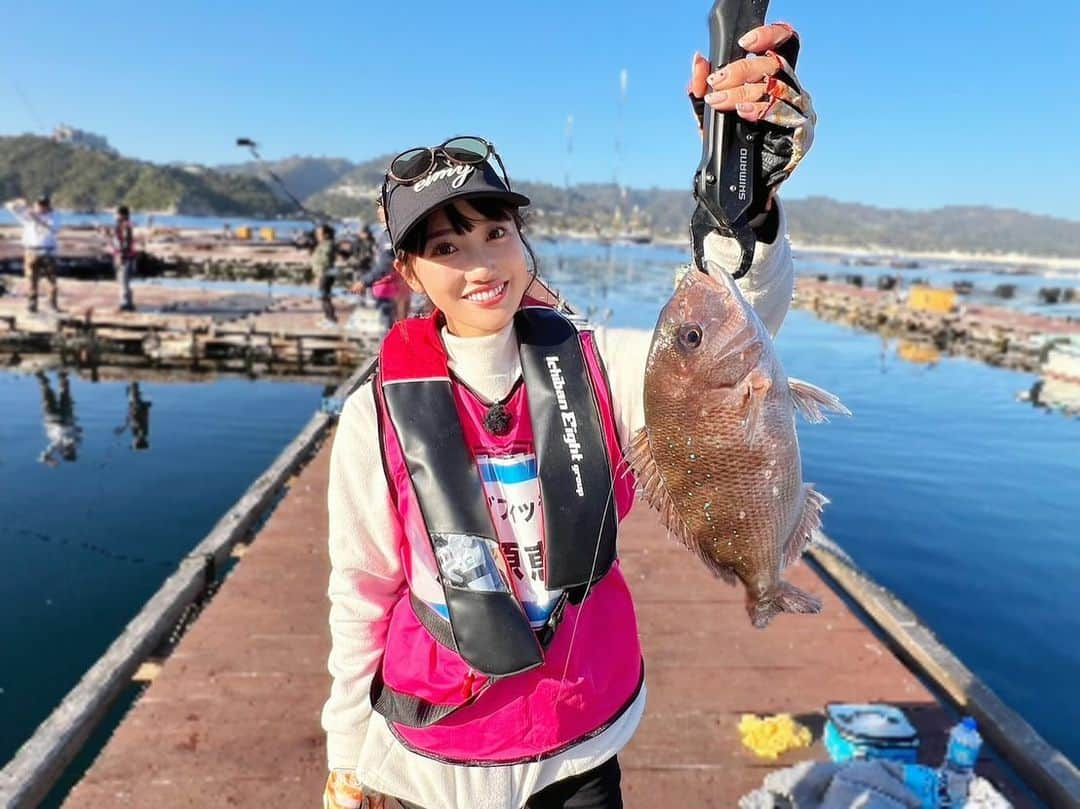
(813, 402)
(758, 384)
(650, 482)
(808, 522)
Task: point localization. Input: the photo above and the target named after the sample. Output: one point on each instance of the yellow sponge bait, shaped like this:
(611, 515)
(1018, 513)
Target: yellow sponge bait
(769, 736)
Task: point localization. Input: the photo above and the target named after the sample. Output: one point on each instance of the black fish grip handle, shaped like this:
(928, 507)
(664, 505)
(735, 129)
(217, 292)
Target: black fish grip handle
(733, 179)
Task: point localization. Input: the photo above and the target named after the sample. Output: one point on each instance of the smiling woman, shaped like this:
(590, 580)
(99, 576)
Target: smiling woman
(469, 258)
(474, 504)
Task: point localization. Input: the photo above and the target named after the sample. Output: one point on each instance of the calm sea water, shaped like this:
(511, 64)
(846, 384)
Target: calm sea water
(947, 490)
(285, 227)
(102, 491)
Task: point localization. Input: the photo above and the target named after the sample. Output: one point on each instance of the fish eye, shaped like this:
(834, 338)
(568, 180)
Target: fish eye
(690, 335)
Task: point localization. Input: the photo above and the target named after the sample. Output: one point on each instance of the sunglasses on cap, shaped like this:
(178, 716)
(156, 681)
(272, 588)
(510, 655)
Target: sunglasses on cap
(417, 163)
(466, 157)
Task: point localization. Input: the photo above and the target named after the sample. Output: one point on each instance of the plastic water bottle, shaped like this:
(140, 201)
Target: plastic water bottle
(958, 768)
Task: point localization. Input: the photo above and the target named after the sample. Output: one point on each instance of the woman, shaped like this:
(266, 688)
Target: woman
(485, 649)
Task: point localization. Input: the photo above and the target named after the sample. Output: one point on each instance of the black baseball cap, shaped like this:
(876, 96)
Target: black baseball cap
(408, 203)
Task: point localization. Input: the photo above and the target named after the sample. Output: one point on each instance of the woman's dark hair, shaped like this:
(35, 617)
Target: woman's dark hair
(491, 208)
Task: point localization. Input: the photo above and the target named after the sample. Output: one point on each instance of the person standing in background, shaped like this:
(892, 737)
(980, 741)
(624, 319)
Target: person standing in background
(39, 246)
(392, 296)
(322, 264)
(122, 239)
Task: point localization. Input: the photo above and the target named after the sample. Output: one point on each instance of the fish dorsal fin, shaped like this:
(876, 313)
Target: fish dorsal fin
(808, 522)
(813, 402)
(651, 484)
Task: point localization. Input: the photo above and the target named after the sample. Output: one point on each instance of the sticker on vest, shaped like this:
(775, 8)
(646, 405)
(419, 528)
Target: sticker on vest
(513, 494)
(468, 562)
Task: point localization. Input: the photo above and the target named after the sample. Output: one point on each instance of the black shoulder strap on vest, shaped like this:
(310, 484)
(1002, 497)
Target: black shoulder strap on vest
(491, 630)
(580, 523)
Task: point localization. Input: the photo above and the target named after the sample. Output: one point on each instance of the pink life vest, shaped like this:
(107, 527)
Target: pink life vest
(465, 678)
(388, 287)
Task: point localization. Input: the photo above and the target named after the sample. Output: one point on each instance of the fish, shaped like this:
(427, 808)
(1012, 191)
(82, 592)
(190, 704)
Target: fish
(718, 456)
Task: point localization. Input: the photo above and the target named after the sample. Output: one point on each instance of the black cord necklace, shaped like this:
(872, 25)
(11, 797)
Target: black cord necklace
(497, 419)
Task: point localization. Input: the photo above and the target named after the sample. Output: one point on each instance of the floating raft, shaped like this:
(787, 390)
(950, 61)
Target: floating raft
(996, 335)
(192, 330)
(231, 717)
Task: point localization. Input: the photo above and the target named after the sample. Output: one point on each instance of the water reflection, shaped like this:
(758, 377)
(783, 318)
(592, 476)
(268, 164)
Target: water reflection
(1052, 395)
(918, 352)
(58, 420)
(138, 418)
(61, 426)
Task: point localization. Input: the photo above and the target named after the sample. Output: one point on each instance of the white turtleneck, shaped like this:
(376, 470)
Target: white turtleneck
(367, 579)
(489, 365)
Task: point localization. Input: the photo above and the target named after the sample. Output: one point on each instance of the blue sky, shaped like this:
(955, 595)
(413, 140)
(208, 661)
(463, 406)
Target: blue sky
(921, 102)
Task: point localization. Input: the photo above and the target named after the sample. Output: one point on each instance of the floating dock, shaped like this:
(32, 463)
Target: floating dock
(996, 335)
(231, 716)
(83, 252)
(195, 330)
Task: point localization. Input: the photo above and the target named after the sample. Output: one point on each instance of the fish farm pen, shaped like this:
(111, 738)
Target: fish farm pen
(186, 330)
(993, 334)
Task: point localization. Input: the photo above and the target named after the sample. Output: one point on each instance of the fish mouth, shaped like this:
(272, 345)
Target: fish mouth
(720, 281)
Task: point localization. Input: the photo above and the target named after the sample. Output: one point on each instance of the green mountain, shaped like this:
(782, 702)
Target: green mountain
(969, 229)
(81, 179)
(303, 176)
(354, 193)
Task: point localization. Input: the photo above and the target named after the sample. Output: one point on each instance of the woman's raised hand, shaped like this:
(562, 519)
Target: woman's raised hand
(762, 87)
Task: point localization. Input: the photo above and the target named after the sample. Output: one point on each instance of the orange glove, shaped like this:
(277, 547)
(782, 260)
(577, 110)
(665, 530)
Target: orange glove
(343, 791)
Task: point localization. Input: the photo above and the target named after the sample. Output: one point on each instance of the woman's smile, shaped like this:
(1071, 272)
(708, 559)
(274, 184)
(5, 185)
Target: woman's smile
(490, 295)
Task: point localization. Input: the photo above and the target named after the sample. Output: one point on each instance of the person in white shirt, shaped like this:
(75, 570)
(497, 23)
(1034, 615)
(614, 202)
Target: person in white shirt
(39, 246)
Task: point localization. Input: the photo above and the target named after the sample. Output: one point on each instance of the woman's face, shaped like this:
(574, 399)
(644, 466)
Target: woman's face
(476, 279)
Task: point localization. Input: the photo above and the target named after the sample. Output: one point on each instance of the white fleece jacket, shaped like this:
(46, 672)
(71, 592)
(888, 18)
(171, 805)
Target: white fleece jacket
(366, 577)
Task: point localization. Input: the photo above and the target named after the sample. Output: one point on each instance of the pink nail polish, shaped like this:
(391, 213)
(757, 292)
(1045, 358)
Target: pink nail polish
(746, 40)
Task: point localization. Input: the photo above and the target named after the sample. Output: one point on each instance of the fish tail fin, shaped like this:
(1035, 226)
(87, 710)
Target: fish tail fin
(809, 521)
(813, 402)
(785, 598)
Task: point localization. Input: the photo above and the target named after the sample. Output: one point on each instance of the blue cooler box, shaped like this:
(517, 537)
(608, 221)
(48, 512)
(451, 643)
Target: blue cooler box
(869, 732)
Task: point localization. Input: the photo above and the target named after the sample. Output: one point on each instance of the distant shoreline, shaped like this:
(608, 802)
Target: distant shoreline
(885, 254)
(1018, 260)
(882, 254)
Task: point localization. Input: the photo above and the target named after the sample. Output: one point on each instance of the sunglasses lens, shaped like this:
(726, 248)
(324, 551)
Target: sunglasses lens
(467, 150)
(411, 165)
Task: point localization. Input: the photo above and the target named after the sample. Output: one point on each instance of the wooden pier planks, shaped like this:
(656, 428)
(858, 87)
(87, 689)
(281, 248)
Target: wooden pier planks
(233, 717)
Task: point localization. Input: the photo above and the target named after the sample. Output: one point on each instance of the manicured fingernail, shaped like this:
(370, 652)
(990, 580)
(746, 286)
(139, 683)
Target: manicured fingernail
(717, 77)
(716, 98)
(746, 40)
(745, 106)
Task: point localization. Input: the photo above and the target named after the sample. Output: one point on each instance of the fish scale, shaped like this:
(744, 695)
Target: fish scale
(719, 455)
